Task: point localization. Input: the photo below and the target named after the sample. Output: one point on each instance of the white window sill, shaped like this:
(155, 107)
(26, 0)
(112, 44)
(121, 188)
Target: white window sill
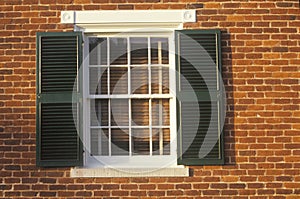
(129, 172)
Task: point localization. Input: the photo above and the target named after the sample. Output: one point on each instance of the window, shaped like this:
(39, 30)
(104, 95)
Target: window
(135, 99)
(130, 100)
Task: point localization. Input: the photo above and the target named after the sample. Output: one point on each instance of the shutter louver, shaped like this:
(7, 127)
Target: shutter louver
(58, 104)
(59, 63)
(57, 126)
(198, 62)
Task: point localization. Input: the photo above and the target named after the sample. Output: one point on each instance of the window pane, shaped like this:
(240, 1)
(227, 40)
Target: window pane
(97, 51)
(118, 80)
(99, 142)
(120, 142)
(140, 142)
(98, 81)
(113, 137)
(140, 112)
(159, 80)
(118, 51)
(139, 50)
(159, 51)
(99, 112)
(160, 112)
(139, 80)
(161, 141)
(119, 112)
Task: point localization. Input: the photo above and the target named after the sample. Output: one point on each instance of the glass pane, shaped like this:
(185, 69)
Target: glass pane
(159, 80)
(140, 142)
(99, 142)
(160, 112)
(118, 51)
(161, 141)
(118, 80)
(97, 51)
(139, 80)
(120, 142)
(99, 112)
(119, 112)
(140, 112)
(98, 80)
(139, 50)
(159, 51)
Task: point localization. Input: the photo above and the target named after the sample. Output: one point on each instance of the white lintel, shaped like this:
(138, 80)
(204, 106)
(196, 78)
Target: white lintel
(128, 16)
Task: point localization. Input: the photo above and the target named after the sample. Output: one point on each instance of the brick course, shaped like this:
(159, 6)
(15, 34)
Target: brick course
(261, 53)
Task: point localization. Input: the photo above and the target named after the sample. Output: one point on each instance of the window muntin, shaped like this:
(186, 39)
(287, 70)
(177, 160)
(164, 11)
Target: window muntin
(130, 97)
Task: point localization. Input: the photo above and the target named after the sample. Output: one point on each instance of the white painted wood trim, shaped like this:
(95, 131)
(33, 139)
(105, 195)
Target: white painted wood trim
(134, 172)
(128, 16)
(128, 27)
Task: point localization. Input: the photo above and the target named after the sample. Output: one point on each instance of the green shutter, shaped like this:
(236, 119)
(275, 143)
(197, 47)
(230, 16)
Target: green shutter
(58, 99)
(199, 97)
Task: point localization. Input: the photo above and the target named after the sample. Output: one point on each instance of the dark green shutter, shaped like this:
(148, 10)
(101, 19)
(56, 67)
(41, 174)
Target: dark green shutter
(58, 99)
(199, 97)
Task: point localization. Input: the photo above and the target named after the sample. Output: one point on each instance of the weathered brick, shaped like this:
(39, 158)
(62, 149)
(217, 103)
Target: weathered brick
(84, 193)
(110, 186)
(156, 193)
(260, 58)
(138, 193)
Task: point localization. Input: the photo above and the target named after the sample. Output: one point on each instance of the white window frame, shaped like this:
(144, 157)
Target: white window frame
(139, 161)
(131, 21)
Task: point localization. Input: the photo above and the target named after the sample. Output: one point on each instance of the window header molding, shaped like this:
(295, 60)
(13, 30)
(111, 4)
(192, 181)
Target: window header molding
(108, 20)
(128, 16)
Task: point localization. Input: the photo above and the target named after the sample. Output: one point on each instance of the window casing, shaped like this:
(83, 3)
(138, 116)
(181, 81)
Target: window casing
(130, 117)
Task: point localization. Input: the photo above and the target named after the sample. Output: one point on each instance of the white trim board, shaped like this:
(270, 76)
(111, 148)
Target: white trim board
(142, 172)
(128, 16)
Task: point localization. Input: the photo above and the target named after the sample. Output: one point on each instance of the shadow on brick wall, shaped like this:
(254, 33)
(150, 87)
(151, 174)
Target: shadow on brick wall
(227, 74)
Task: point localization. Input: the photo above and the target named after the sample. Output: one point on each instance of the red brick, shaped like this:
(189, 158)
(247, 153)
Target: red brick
(260, 72)
(110, 186)
(229, 192)
(12, 194)
(211, 192)
(200, 186)
(156, 193)
(147, 186)
(174, 193)
(65, 1)
(219, 186)
(129, 186)
(101, 193)
(284, 4)
(48, 194)
(84, 193)
(65, 194)
(120, 193)
(138, 193)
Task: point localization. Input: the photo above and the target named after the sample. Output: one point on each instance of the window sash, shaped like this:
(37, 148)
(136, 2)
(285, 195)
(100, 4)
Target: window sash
(145, 96)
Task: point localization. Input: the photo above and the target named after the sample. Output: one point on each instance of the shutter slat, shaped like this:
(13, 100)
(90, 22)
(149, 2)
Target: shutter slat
(65, 139)
(55, 51)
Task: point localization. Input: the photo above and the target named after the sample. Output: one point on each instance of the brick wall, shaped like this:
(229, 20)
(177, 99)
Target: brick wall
(261, 45)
